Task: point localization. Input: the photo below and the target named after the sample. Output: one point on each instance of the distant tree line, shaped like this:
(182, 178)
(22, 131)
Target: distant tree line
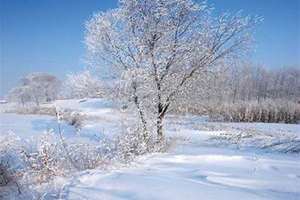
(246, 93)
(35, 88)
(255, 83)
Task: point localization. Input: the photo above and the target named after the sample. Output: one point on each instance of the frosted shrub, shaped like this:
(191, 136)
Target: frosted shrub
(30, 169)
(130, 144)
(47, 161)
(5, 168)
(10, 165)
(5, 176)
(90, 156)
(73, 118)
(8, 179)
(54, 157)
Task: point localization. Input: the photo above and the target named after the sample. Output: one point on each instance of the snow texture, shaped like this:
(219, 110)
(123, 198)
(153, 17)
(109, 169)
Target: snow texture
(197, 167)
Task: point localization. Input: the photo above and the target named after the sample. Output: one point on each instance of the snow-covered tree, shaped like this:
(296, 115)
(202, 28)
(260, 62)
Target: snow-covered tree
(82, 84)
(37, 88)
(158, 46)
(20, 94)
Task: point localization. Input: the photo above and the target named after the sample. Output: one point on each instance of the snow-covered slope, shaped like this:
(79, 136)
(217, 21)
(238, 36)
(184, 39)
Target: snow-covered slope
(198, 173)
(196, 168)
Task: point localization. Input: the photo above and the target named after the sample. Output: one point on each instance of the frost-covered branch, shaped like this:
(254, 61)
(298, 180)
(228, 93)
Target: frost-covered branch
(161, 45)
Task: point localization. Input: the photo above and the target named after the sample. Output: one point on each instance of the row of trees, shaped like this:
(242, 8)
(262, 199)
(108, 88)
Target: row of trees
(271, 111)
(37, 88)
(173, 54)
(243, 82)
(256, 83)
(246, 92)
(156, 49)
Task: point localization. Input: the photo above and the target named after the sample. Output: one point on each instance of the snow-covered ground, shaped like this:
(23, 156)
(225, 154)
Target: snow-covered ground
(198, 173)
(198, 167)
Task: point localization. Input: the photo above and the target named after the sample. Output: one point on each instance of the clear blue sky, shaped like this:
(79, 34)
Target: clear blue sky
(47, 35)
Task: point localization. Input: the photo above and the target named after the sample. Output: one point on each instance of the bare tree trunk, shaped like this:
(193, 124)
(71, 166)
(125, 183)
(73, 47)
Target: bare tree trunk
(142, 118)
(234, 95)
(159, 129)
(141, 113)
(160, 114)
(37, 102)
(159, 123)
(23, 102)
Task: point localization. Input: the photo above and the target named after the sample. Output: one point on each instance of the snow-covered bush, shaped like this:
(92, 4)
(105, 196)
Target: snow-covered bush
(46, 161)
(11, 166)
(8, 181)
(73, 118)
(5, 174)
(31, 168)
(132, 143)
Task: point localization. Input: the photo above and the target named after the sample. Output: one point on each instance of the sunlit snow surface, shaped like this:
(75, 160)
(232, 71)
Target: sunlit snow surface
(196, 168)
(208, 175)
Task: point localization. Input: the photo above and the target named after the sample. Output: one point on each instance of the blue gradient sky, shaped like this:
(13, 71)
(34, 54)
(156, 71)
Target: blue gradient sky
(47, 35)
